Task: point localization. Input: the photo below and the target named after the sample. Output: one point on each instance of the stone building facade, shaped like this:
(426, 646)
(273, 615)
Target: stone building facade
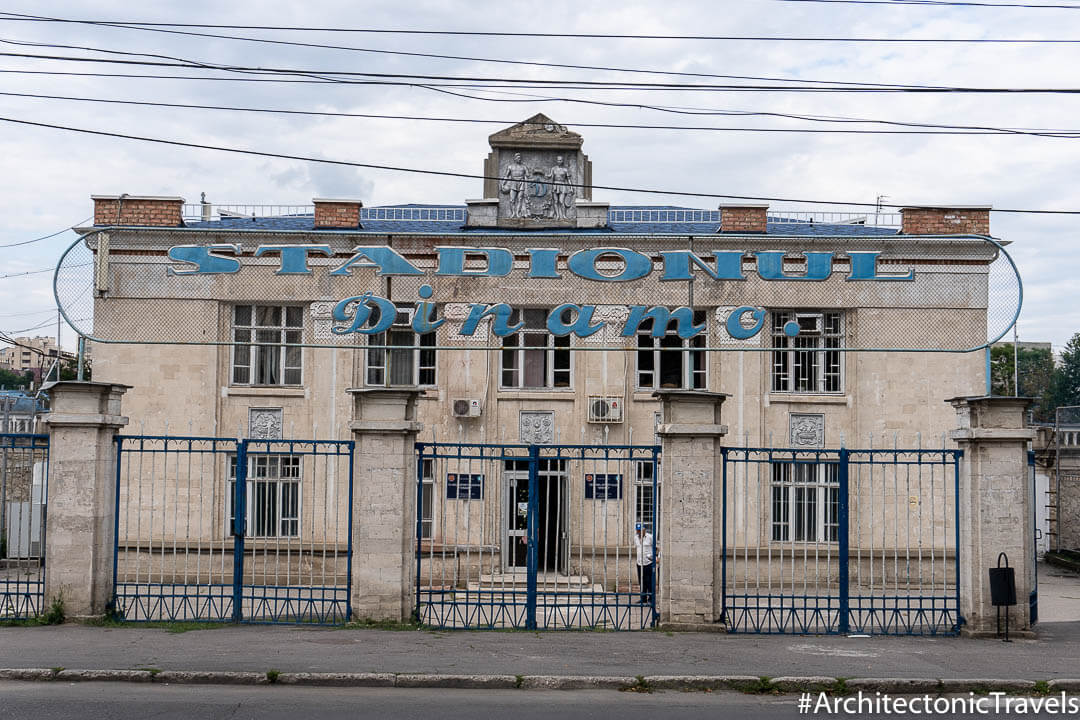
(801, 329)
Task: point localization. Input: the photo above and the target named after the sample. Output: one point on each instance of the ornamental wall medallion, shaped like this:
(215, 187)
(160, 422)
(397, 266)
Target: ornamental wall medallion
(806, 430)
(264, 423)
(537, 427)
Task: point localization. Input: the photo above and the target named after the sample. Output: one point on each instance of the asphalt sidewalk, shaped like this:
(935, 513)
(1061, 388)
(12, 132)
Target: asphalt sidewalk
(1054, 654)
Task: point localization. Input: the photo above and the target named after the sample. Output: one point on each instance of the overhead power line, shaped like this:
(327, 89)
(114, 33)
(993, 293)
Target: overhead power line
(37, 272)
(417, 78)
(932, 129)
(213, 66)
(44, 237)
(16, 17)
(441, 57)
(945, 3)
(447, 173)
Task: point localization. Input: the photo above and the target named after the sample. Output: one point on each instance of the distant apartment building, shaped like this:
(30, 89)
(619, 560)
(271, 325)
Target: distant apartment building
(32, 354)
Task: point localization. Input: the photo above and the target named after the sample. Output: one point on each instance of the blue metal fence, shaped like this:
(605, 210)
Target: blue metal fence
(222, 529)
(536, 536)
(841, 541)
(24, 461)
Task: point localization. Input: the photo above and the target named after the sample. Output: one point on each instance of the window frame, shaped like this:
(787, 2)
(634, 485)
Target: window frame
(689, 375)
(643, 490)
(427, 501)
(422, 343)
(254, 352)
(789, 361)
(554, 347)
(818, 482)
(278, 503)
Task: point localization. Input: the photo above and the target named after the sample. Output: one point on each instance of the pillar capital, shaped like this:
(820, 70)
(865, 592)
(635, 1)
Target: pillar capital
(385, 410)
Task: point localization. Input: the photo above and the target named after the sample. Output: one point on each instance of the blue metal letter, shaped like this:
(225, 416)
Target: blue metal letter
(499, 325)
(581, 326)
(583, 264)
(734, 322)
(679, 263)
(770, 265)
(661, 317)
(386, 259)
(542, 263)
(424, 318)
(864, 267)
(293, 257)
(362, 313)
(452, 261)
(203, 257)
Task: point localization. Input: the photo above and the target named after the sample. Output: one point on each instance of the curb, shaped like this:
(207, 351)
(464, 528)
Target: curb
(648, 683)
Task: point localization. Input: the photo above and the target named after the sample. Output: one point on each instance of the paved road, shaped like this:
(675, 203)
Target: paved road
(89, 701)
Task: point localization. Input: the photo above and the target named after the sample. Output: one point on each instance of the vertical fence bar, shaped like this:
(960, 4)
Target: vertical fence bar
(956, 522)
(419, 521)
(532, 532)
(239, 528)
(842, 538)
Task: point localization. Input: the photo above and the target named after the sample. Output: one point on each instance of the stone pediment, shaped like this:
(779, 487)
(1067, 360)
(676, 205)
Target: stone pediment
(539, 131)
(536, 177)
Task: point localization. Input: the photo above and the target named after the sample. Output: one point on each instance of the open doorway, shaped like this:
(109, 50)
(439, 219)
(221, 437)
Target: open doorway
(552, 503)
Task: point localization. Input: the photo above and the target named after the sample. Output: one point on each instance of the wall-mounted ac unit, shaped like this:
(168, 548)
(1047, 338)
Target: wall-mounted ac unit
(604, 409)
(466, 407)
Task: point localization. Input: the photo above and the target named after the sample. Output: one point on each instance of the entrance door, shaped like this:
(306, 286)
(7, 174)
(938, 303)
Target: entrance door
(515, 541)
(551, 504)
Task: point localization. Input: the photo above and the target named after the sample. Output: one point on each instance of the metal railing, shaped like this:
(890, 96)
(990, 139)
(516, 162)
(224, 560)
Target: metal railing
(210, 212)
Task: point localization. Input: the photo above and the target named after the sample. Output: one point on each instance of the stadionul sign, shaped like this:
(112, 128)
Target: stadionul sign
(370, 314)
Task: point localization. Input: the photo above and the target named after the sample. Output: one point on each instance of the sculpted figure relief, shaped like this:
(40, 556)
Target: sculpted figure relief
(562, 191)
(514, 183)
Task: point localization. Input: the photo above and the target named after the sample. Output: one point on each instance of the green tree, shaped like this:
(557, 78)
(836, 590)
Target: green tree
(14, 381)
(69, 370)
(1065, 386)
(1036, 376)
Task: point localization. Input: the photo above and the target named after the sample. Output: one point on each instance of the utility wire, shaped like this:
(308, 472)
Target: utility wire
(44, 237)
(944, 3)
(42, 270)
(381, 51)
(17, 17)
(571, 84)
(216, 66)
(934, 128)
(447, 173)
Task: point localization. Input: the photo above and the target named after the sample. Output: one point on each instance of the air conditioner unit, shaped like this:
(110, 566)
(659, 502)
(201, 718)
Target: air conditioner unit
(466, 407)
(605, 409)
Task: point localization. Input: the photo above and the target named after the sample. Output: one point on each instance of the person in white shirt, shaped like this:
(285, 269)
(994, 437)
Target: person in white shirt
(643, 543)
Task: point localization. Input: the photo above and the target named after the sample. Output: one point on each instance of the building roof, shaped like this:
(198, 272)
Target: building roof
(622, 219)
(23, 403)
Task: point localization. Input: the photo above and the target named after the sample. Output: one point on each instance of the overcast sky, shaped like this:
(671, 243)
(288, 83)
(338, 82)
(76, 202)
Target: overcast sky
(48, 175)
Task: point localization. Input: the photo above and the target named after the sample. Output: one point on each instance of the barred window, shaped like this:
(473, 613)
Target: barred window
(809, 362)
(646, 497)
(670, 361)
(427, 498)
(273, 358)
(533, 357)
(805, 502)
(410, 359)
(273, 495)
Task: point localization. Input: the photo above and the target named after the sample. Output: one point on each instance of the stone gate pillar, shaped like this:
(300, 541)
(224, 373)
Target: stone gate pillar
(691, 507)
(996, 505)
(384, 502)
(81, 517)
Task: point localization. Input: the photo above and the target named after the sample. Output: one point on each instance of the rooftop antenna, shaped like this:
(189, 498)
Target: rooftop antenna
(877, 210)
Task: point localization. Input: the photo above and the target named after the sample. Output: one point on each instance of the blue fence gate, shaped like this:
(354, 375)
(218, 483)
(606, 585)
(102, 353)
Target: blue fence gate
(222, 529)
(536, 536)
(24, 464)
(841, 541)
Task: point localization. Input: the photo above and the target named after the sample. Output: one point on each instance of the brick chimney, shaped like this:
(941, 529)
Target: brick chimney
(743, 218)
(140, 210)
(946, 220)
(337, 214)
